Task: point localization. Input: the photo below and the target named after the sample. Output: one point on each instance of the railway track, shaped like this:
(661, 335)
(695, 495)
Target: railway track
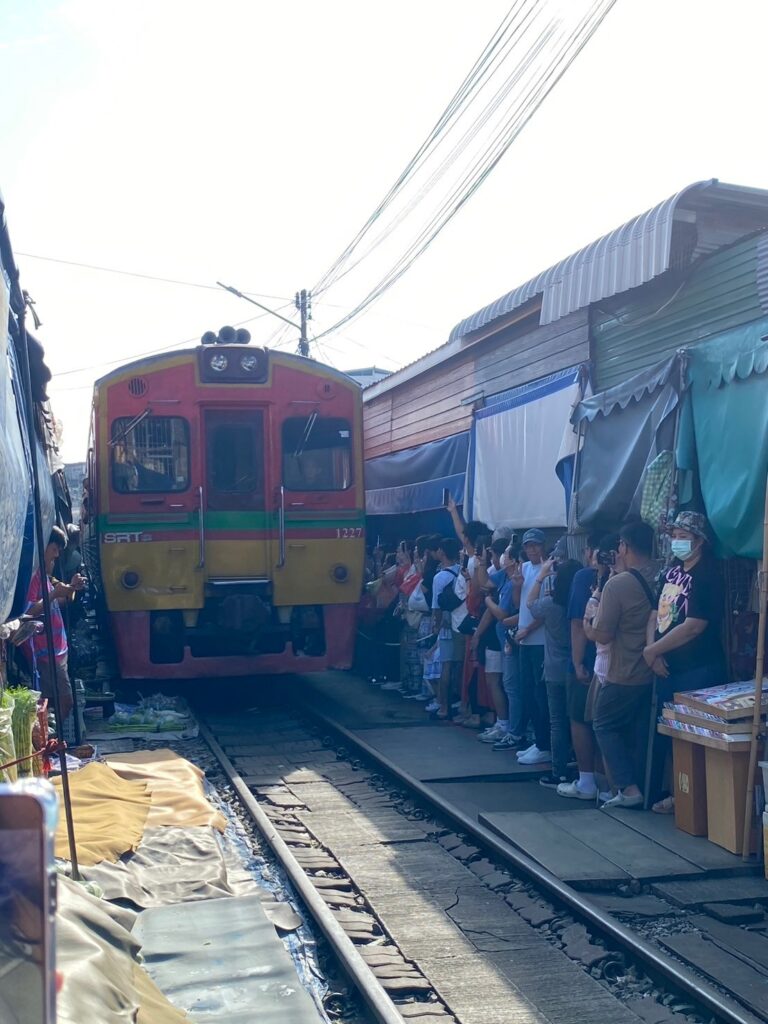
(431, 916)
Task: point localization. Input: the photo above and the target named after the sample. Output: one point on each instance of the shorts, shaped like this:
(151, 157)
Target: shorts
(576, 698)
(452, 648)
(493, 662)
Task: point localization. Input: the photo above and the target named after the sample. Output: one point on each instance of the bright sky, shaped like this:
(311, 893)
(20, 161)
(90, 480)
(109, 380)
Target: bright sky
(247, 142)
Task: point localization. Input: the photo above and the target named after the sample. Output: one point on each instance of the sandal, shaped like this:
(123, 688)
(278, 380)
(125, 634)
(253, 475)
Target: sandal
(665, 806)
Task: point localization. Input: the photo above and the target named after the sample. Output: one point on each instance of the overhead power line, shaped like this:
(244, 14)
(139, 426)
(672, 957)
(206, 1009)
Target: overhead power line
(538, 47)
(151, 352)
(144, 277)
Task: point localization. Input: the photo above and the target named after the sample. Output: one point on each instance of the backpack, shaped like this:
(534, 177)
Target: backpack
(448, 600)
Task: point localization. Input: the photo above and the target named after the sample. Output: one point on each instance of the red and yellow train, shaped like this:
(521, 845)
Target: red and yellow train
(224, 504)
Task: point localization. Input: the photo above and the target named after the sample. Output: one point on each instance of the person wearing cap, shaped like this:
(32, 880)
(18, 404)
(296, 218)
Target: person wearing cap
(684, 648)
(530, 638)
(684, 645)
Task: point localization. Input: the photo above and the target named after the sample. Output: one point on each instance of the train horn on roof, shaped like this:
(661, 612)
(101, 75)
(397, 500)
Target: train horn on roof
(243, 337)
(227, 336)
(209, 338)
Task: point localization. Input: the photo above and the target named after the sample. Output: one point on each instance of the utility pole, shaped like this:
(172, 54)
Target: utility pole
(303, 302)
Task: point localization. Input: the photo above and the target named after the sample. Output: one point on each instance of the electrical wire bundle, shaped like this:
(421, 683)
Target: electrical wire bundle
(529, 52)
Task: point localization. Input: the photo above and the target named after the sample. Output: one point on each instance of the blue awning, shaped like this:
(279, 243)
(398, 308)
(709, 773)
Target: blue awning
(414, 480)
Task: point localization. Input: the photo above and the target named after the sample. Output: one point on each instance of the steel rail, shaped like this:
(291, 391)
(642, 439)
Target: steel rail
(726, 1010)
(359, 973)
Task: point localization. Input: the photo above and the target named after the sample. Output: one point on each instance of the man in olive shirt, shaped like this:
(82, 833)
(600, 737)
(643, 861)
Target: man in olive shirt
(622, 704)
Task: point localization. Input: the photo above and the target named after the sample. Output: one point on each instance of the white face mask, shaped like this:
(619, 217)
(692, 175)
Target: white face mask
(682, 549)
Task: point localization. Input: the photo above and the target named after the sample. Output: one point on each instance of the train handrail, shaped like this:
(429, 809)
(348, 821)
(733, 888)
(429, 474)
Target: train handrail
(281, 528)
(201, 521)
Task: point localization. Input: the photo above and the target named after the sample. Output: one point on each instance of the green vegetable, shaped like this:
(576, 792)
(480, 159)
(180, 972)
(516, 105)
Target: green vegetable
(7, 745)
(24, 718)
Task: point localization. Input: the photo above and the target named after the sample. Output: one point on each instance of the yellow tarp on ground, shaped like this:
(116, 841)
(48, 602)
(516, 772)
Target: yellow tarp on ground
(109, 814)
(175, 788)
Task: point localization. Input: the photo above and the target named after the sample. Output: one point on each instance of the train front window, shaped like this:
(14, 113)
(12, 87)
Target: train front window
(235, 459)
(150, 453)
(317, 453)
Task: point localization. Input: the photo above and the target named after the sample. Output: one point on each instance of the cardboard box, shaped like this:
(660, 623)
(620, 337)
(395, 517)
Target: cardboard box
(690, 778)
(726, 788)
(726, 766)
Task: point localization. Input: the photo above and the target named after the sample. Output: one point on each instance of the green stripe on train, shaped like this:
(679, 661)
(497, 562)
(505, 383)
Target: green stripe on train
(236, 521)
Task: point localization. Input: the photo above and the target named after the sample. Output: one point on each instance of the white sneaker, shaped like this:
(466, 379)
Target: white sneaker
(571, 789)
(535, 756)
(620, 800)
(432, 706)
(522, 753)
(496, 732)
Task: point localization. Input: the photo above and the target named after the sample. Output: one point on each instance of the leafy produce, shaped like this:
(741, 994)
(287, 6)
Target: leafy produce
(24, 718)
(7, 745)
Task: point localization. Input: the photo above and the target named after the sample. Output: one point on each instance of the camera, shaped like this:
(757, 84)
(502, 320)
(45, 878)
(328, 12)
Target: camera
(606, 558)
(511, 633)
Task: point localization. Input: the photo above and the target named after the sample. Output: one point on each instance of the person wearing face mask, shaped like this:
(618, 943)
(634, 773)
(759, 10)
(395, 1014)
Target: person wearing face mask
(684, 648)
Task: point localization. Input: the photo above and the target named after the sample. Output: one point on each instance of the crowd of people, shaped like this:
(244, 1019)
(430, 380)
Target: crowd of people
(562, 663)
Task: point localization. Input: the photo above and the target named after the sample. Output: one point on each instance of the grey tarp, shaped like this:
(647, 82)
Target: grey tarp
(624, 429)
(218, 959)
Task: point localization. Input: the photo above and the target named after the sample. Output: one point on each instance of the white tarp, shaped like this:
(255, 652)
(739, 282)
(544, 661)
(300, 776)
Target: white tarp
(517, 445)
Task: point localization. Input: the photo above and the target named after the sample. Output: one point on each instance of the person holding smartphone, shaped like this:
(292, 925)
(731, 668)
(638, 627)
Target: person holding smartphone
(53, 664)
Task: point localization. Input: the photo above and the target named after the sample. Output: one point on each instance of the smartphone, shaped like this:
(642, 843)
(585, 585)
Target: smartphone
(606, 558)
(28, 816)
(446, 496)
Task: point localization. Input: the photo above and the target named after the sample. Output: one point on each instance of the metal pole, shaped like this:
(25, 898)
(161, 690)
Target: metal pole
(757, 711)
(301, 305)
(41, 546)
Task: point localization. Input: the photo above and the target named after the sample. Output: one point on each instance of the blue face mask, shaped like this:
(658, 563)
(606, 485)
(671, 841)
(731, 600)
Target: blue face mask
(682, 549)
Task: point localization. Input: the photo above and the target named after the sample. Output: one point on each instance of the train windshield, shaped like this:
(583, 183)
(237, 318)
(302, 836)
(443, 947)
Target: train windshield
(150, 453)
(317, 453)
(235, 456)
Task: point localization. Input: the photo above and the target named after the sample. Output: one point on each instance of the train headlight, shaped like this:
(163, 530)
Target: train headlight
(218, 362)
(340, 573)
(130, 579)
(249, 362)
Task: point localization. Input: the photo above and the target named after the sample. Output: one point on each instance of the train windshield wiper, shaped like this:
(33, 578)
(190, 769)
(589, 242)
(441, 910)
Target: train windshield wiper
(310, 426)
(130, 428)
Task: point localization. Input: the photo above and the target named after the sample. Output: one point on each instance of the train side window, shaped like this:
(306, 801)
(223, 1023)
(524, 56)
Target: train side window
(317, 453)
(150, 454)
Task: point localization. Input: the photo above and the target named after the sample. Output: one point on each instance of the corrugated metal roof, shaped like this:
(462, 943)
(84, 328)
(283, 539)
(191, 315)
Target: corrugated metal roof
(627, 257)
(707, 215)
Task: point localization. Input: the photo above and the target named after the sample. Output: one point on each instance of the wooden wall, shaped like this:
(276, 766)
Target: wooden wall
(428, 406)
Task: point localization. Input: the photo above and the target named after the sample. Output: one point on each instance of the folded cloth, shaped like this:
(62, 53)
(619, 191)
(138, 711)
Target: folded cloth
(108, 813)
(175, 787)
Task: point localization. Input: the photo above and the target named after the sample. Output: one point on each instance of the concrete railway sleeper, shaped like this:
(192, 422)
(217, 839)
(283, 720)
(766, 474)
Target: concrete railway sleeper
(419, 904)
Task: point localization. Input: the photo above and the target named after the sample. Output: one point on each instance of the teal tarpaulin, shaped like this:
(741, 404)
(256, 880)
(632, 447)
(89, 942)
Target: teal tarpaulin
(724, 429)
